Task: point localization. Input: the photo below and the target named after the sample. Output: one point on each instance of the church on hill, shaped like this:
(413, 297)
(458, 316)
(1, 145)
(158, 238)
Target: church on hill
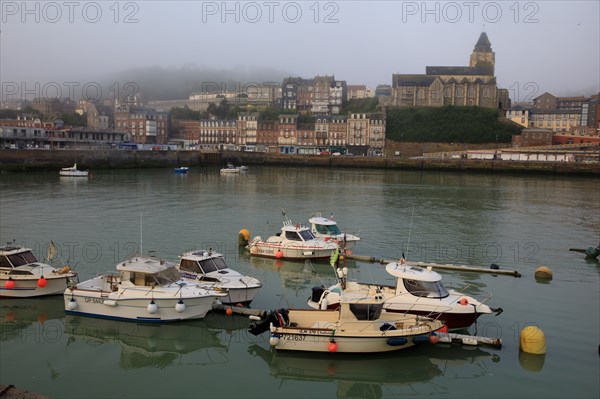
(473, 85)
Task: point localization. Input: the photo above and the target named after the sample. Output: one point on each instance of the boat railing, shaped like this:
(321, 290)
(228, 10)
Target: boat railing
(433, 311)
(470, 287)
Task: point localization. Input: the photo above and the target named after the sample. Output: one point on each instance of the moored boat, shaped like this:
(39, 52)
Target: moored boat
(294, 242)
(231, 169)
(208, 269)
(360, 325)
(72, 171)
(144, 289)
(327, 229)
(182, 170)
(417, 291)
(22, 275)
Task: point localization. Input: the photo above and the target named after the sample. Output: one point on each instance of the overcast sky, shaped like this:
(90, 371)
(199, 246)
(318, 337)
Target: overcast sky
(540, 45)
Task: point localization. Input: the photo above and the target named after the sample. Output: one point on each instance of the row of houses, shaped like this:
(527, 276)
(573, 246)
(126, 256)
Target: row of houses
(358, 133)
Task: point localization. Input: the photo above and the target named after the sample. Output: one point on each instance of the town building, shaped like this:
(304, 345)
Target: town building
(288, 134)
(247, 126)
(145, 125)
(473, 85)
(557, 120)
(218, 134)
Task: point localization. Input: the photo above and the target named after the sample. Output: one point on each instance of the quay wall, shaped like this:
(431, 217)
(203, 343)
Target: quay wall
(37, 159)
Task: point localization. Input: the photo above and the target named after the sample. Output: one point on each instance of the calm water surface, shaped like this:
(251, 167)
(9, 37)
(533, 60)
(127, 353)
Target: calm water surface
(516, 221)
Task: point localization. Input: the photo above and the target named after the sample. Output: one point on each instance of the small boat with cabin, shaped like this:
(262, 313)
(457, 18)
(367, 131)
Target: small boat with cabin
(417, 291)
(144, 289)
(208, 269)
(294, 242)
(23, 276)
(230, 169)
(327, 229)
(359, 325)
(72, 171)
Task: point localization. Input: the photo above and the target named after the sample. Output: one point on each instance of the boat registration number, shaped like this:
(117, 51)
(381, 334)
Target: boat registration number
(292, 337)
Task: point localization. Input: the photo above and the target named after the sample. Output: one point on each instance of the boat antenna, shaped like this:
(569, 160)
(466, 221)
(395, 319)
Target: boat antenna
(409, 230)
(141, 234)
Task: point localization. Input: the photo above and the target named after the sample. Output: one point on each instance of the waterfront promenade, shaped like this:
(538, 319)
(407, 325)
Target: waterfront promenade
(15, 160)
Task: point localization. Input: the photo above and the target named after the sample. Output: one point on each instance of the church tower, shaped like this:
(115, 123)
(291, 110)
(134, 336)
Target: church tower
(483, 56)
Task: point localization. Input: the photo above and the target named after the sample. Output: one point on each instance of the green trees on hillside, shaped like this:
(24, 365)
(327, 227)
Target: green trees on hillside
(448, 124)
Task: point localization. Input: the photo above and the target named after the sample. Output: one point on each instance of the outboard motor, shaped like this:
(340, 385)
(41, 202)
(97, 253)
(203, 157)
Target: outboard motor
(278, 317)
(317, 293)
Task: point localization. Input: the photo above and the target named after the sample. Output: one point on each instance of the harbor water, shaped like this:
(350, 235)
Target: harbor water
(516, 221)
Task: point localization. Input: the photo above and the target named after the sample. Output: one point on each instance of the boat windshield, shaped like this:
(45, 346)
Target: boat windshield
(20, 259)
(167, 276)
(331, 229)
(306, 235)
(366, 311)
(426, 289)
(189, 265)
(213, 264)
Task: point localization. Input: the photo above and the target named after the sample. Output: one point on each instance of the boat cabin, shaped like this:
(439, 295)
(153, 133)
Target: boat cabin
(11, 257)
(325, 226)
(417, 281)
(362, 310)
(202, 263)
(148, 272)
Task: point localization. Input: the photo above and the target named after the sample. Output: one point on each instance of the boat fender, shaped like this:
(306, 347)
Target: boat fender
(274, 340)
(72, 305)
(420, 339)
(180, 306)
(324, 304)
(396, 341)
(152, 307)
(42, 282)
(255, 318)
(10, 284)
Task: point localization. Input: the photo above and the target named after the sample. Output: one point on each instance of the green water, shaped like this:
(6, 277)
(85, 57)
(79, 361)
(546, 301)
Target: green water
(516, 221)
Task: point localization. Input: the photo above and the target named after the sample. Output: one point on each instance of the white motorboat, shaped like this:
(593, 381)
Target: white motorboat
(360, 325)
(295, 242)
(417, 291)
(230, 169)
(209, 270)
(327, 229)
(22, 276)
(144, 289)
(73, 172)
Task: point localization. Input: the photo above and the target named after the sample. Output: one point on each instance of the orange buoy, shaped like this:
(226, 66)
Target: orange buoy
(433, 338)
(228, 311)
(41, 282)
(10, 284)
(463, 301)
(279, 254)
(332, 347)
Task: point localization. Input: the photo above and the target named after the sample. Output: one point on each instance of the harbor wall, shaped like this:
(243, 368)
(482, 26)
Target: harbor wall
(37, 159)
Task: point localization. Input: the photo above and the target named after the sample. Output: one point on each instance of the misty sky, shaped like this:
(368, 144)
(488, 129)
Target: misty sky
(540, 45)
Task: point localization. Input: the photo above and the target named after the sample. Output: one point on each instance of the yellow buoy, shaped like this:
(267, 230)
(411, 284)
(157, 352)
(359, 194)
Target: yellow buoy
(533, 340)
(543, 272)
(243, 237)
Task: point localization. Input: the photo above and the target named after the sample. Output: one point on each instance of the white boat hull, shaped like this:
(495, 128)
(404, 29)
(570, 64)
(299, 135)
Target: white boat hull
(96, 304)
(74, 174)
(239, 296)
(316, 342)
(27, 286)
(290, 252)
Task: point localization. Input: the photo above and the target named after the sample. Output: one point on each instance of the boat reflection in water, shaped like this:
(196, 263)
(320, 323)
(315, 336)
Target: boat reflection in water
(410, 372)
(158, 345)
(17, 315)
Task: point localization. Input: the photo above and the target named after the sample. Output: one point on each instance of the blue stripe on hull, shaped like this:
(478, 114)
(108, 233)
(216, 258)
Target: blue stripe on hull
(139, 319)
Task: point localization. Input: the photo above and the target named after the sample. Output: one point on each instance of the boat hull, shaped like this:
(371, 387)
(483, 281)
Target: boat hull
(97, 304)
(289, 253)
(242, 296)
(454, 321)
(28, 287)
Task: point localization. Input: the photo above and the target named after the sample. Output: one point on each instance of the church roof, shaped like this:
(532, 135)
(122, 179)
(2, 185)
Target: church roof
(483, 44)
(411, 80)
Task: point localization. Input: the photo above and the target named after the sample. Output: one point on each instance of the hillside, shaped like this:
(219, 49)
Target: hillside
(449, 124)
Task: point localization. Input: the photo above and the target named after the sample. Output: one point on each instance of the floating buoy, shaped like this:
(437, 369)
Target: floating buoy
(274, 340)
(72, 305)
(41, 282)
(152, 307)
(180, 306)
(433, 338)
(532, 340)
(243, 237)
(333, 346)
(348, 252)
(543, 272)
(278, 254)
(10, 284)
(228, 311)
(463, 301)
